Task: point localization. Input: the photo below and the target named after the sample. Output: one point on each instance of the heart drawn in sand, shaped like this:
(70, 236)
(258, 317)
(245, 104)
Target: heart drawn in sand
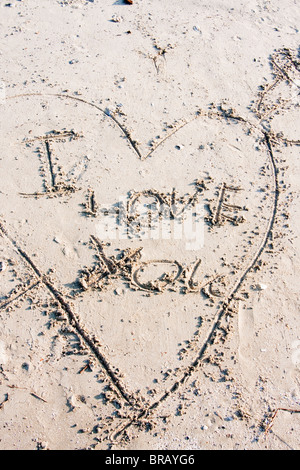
(148, 304)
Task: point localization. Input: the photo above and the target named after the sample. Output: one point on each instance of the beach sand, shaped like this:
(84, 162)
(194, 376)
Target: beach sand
(149, 225)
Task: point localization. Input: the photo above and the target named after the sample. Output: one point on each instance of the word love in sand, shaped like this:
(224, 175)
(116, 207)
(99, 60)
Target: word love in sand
(151, 214)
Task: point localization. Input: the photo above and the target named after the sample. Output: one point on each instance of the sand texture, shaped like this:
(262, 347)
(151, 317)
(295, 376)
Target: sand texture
(149, 225)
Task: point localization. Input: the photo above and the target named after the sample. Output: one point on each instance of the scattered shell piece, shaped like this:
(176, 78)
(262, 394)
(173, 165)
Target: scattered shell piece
(197, 29)
(119, 291)
(261, 286)
(116, 19)
(3, 266)
(72, 402)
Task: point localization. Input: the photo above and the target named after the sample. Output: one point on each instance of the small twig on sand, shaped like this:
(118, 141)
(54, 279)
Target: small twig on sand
(36, 396)
(15, 386)
(275, 412)
(84, 368)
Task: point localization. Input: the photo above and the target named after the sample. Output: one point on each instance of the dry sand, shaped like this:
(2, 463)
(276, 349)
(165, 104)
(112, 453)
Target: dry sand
(184, 339)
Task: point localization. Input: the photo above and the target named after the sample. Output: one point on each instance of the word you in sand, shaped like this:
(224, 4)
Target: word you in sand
(170, 275)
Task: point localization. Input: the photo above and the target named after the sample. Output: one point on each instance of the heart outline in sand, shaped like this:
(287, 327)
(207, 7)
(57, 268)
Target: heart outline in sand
(75, 321)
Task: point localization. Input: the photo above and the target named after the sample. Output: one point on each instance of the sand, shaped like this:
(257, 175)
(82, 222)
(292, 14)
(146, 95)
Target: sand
(149, 225)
